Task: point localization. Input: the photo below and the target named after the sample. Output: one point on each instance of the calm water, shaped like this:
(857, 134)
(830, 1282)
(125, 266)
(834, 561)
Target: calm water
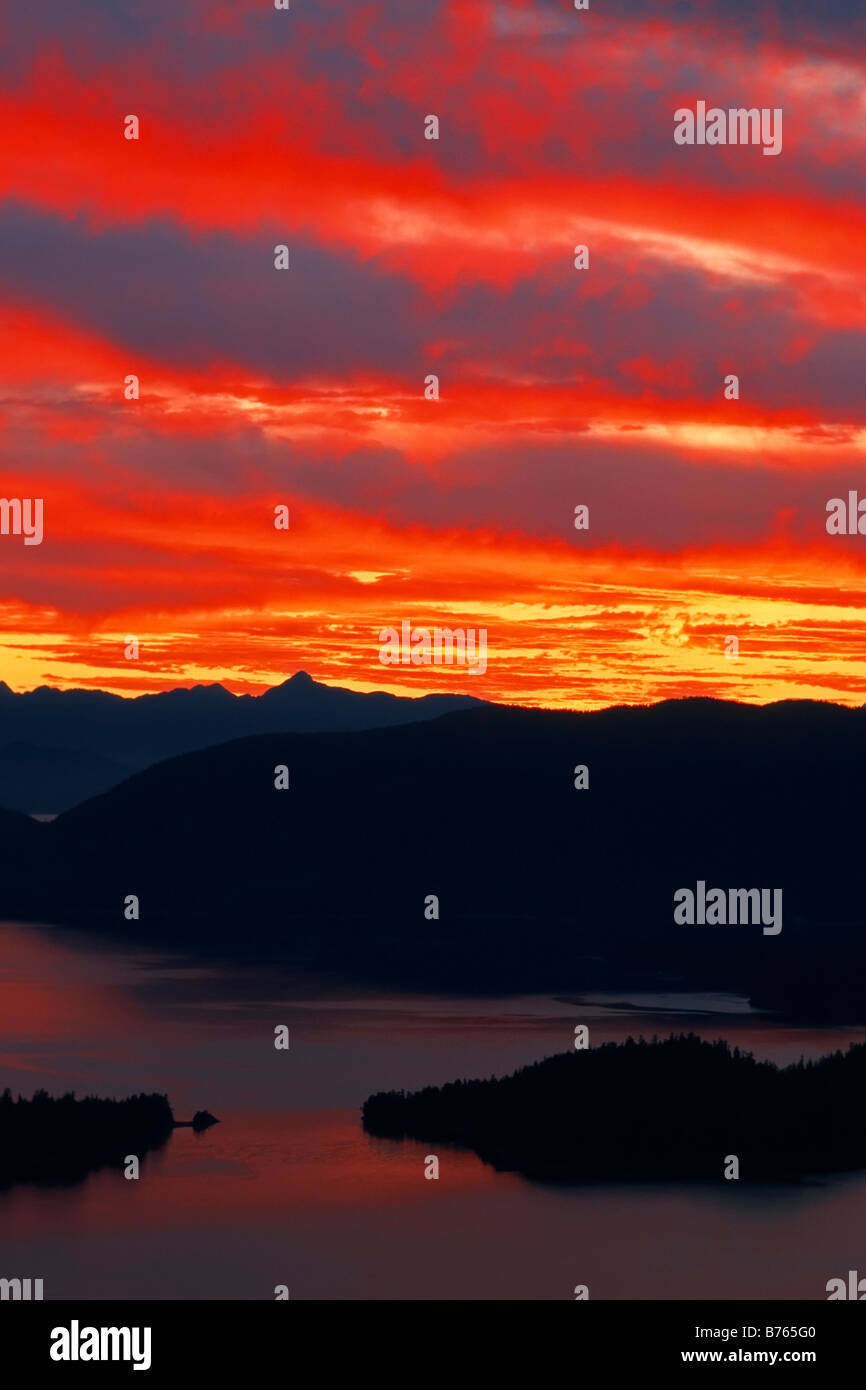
(287, 1189)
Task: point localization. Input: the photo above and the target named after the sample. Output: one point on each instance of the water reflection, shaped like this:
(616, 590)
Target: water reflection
(288, 1188)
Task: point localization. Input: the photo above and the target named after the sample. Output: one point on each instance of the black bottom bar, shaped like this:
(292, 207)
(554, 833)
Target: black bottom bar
(415, 1341)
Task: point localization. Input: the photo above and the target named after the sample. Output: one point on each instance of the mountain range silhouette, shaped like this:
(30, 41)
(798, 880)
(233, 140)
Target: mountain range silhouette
(540, 885)
(59, 747)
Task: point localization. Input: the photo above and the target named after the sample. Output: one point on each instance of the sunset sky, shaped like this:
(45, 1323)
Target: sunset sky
(559, 387)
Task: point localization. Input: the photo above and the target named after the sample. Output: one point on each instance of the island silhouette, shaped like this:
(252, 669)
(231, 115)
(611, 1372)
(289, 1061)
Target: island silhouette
(675, 1108)
(58, 1141)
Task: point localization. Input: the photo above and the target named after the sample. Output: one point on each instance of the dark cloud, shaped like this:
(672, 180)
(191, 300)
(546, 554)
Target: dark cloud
(195, 301)
(642, 496)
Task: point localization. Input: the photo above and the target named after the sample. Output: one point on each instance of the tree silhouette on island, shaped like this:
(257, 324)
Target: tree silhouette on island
(664, 1109)
(58, 1141)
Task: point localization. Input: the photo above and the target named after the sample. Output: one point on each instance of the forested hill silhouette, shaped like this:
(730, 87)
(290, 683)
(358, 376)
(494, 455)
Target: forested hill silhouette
(51, 1141)
(673, 1109)
(59, 746)
(540, 885)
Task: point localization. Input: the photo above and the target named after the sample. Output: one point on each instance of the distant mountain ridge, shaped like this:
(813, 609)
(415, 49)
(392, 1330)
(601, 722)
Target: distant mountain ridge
(58, 747)
(37, 779)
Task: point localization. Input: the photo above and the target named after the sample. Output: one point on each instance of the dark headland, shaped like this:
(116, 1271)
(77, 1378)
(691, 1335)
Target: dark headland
(678, 1108)
(52, 1141)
